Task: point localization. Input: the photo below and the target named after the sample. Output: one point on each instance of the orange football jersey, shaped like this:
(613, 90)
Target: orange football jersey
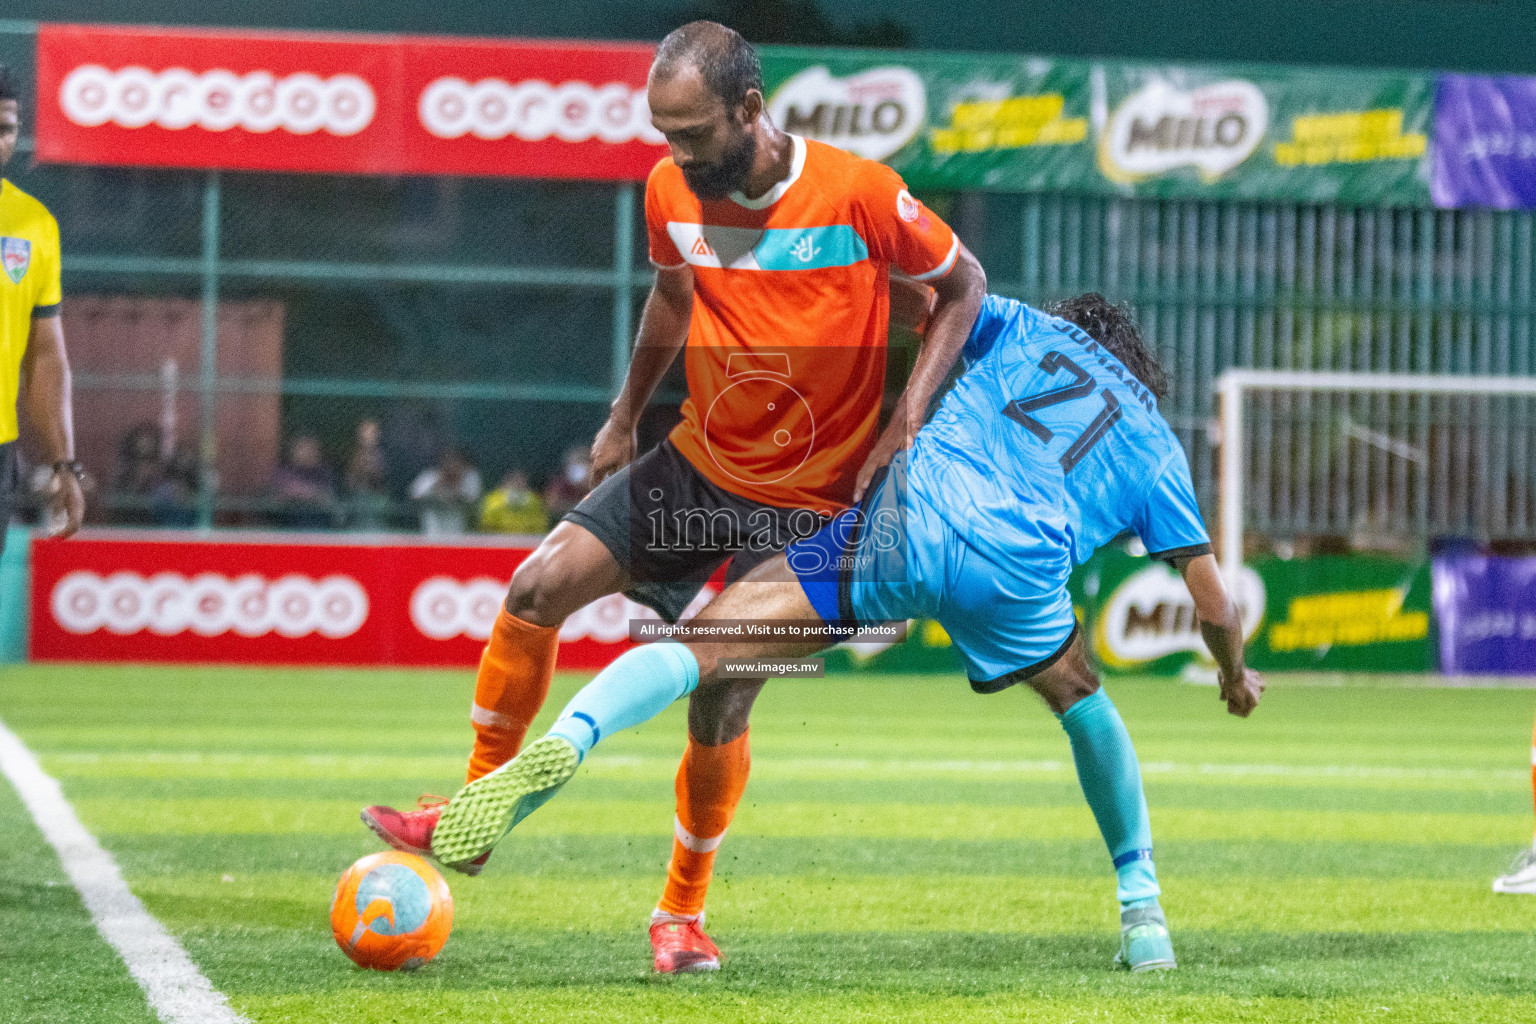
(786, 346)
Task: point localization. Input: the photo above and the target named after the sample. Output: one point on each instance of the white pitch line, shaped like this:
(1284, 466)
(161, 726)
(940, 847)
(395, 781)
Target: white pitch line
(176, 990)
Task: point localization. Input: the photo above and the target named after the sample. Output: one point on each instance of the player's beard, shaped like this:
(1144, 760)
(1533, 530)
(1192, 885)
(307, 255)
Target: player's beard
(726, 175)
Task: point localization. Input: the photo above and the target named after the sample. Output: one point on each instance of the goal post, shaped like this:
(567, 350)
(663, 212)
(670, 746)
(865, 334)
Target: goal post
(1416, 455)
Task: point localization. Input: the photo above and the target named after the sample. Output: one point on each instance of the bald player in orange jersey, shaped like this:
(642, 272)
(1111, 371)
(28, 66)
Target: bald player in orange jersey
(774, 256)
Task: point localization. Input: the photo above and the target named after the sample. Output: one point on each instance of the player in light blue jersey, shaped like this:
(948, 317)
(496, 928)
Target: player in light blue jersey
(1049, 446)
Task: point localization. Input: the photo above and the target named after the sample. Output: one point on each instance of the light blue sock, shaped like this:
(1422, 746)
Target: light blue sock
(636, 687)
(1111, 779)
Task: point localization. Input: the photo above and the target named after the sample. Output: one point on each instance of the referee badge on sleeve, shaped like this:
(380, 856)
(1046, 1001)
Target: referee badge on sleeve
(16, 255)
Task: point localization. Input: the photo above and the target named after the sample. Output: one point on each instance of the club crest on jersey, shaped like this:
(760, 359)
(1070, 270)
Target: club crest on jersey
(907, 208)
(16, 256)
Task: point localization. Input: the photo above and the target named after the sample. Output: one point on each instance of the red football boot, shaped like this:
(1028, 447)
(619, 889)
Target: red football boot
(411, 831)
(681, 947)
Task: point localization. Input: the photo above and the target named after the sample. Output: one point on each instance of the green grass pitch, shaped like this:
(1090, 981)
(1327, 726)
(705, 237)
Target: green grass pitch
(906, 852)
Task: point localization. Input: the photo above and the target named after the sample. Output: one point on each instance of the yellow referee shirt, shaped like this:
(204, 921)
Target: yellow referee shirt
(29, 287)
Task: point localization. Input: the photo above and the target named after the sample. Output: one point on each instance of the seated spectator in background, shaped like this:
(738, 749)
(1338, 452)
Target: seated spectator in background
(513, 507)
(570, 485)
(367, 481)
(446, 494)
(173, 502)
(302, 491)
(139, 472)
(138, 461)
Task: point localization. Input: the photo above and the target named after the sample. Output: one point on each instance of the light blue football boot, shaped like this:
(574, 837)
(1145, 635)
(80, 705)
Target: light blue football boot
(1144, 941)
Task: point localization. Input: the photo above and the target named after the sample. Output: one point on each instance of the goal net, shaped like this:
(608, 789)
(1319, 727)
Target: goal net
(1389, 457)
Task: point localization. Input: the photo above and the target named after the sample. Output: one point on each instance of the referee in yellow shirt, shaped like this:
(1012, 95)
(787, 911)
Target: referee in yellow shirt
(32, 356)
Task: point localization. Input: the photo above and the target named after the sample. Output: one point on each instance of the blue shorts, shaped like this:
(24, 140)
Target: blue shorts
(895, 557)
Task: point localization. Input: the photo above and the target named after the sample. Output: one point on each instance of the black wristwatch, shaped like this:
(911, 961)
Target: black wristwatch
(71, 466)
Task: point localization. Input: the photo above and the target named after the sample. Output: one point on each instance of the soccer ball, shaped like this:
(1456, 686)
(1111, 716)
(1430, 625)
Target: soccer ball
(392, 912)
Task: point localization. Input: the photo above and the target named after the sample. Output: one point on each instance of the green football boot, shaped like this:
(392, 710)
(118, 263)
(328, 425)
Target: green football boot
(484, 811)
(1144, 941)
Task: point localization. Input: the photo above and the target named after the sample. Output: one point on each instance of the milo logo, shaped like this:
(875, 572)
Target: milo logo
(1159, 128)
(871, 114)
(1150, 615)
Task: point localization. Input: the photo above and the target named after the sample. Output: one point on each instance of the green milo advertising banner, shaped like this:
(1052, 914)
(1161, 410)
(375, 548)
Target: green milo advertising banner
(1356, 613)
(1023, 124)
(1328, 613)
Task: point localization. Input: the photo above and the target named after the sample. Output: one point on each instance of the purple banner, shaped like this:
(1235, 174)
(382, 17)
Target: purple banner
(1485, 143)
(1485, 610)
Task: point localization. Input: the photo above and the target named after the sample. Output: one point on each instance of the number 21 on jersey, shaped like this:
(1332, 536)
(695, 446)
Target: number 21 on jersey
(1082, 386)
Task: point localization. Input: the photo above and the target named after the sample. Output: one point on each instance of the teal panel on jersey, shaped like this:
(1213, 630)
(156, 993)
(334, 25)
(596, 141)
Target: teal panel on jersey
(833, 245)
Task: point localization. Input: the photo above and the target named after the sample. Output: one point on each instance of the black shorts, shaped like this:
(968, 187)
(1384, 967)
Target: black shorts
(670, 528)
(9, 483)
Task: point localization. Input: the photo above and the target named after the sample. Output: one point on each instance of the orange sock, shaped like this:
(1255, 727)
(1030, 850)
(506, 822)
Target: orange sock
(509, 691)
(710, 782)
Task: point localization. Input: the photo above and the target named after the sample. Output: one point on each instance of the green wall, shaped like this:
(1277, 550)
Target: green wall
(1486, 35)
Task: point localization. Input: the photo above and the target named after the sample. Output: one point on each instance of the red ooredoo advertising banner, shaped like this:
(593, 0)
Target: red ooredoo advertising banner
(343, 104)
(281, 600)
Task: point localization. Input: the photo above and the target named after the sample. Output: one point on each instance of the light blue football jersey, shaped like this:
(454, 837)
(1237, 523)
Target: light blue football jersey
(1048, 447)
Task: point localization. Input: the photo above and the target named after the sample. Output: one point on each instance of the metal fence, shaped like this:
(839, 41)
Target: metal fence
(503, 311)
(497, 313)
(1280, 286)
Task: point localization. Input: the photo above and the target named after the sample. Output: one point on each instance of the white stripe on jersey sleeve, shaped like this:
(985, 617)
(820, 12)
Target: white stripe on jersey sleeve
(942, 268)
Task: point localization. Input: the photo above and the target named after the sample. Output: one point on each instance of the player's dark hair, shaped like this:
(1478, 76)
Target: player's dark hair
(727, 62)
(1110, 324)
(8, 85)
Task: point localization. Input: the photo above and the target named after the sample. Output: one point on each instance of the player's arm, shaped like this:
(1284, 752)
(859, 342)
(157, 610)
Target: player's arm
(663, 330)
(957, 298)
(46, 384)
(911, 303)
(1222, 626)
